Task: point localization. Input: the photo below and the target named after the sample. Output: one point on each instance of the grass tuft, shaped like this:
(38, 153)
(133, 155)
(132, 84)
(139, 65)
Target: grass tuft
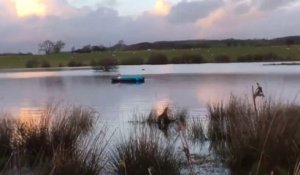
(196, 131)
(145, 152)
(261, 143)
(56, 142)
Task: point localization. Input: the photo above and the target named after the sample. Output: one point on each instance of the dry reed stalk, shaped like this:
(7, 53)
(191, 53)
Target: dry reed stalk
(297, 169)
(185, 148)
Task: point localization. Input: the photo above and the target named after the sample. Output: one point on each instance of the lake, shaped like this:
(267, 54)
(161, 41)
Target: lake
(191, 87)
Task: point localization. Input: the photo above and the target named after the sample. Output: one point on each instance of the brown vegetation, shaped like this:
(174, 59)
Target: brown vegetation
(55, 143)
(256, 143)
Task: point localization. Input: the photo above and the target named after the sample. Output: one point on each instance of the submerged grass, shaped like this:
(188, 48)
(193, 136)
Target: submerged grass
(257, 143)
(144, 152)
(170, 114)
(196, 131)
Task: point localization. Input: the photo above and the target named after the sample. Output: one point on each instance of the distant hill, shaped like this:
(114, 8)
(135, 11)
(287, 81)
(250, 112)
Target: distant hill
(186, 44)
(286, 40)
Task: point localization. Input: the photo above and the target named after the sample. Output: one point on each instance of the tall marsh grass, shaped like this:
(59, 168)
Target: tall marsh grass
(196, 131)
(257, 143)
(6, 133)
(56, 142)
(144, 152)
(297, 168)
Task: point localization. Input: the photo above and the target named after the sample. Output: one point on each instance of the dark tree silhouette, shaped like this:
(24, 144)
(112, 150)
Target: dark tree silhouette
(49, 47)
(46, 47)
(58, 46)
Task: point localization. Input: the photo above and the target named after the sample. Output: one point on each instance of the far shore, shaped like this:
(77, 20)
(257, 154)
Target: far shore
(83, 61)
(44, 69)
(50, 69)
(283, 64)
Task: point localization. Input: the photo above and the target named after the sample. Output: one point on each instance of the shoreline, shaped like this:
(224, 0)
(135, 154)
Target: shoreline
(44, 69)
(53, 69)
(283, 64)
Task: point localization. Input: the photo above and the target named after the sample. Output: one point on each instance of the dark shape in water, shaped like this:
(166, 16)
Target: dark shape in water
(163, 120)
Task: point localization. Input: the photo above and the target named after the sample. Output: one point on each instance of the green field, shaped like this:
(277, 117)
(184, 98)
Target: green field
(209, 54)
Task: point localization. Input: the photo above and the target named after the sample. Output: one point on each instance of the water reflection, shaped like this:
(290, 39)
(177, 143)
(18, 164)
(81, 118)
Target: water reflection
(51, 83)
(30, 74)
(116, 102)
(210, 94)
(30, 116)
(161, 105)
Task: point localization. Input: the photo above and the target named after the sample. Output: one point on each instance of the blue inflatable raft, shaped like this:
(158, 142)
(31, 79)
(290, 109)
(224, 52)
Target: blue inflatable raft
(128, 79)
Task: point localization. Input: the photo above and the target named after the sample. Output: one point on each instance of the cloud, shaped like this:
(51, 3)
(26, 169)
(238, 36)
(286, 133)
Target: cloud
(272, 4)
(243, 19)
(231, 14)
(110, 2)
(162, 7)
(191, 11)
(205, 19)
(102, 26)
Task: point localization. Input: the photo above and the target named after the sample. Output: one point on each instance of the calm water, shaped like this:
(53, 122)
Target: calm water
(186, 86)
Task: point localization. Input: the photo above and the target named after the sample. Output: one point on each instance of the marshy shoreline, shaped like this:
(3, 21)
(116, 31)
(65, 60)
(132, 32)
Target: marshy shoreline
(75, 140)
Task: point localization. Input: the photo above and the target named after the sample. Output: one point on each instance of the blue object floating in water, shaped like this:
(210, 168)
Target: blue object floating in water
(128, 79)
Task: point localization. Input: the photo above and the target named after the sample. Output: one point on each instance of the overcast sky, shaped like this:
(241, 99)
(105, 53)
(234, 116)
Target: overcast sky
(25, 23)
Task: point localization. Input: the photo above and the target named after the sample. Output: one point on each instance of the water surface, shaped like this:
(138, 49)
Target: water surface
(186, 86)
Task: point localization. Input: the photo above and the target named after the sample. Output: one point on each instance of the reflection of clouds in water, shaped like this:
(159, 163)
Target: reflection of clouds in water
(161, 104)
(167, 69)
(211, 93)
(219, 88)
(31, 74)
(29, 115)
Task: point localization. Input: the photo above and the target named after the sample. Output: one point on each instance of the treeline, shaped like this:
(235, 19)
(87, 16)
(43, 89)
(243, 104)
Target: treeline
(49, 46)
(120, 45)
(188, 44)
(160, 58)
(90, 49)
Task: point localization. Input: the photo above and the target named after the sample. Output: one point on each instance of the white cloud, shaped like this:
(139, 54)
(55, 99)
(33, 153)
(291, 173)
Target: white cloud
(273, 4)
(191, 11)
(186, 20)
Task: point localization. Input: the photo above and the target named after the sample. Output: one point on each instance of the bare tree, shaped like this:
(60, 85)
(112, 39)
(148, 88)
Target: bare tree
(58, 46)
(49, 47)
(46, 46)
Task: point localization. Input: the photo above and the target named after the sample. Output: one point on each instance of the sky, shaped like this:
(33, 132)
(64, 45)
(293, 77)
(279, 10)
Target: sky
(26, 23)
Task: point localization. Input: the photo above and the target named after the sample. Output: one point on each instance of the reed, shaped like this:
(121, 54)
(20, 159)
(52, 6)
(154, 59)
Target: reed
(144, 152)
(56, 142)
(297, 168)
(196, 131)
(6, 133)
(247, 142)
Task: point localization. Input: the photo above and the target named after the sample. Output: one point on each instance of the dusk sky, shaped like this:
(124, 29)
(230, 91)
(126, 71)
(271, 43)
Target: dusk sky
(25, 23)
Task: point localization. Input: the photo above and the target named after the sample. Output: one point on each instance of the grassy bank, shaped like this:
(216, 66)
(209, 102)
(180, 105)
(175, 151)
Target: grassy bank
(200, 55)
